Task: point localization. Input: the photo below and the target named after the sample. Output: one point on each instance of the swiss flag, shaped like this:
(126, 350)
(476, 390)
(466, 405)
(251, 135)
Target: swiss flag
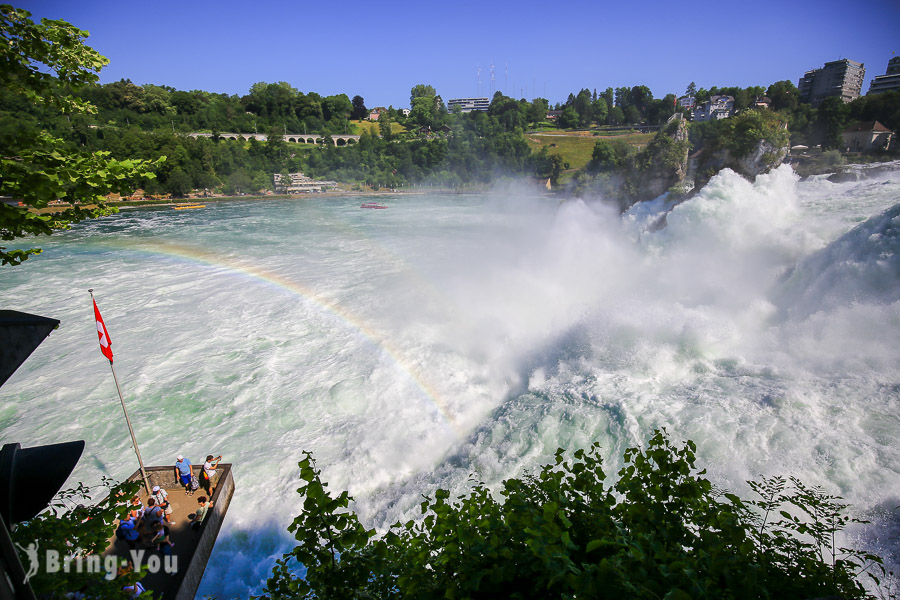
(105, 343)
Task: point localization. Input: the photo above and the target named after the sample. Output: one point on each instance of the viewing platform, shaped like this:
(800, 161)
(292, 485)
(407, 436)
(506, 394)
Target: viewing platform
(192, 548)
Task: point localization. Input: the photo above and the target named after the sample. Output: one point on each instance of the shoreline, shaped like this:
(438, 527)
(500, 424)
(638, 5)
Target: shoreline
(171, 202)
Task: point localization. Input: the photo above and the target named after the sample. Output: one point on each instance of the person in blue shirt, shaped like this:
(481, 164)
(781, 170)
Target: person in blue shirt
(183, 468)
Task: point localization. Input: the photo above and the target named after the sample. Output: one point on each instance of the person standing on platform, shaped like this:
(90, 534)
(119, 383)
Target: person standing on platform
(183, 472)
(209, 472)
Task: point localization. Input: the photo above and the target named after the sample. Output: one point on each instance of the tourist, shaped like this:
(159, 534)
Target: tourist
(209, 472)
(154, 514)
(135, 590)
(197, 517)
(127, 531)
(161, 539)
(162, 499)
(183, 472)
(137, 508)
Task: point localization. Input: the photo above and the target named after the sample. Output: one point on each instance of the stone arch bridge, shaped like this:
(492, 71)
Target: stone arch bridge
(294, 138)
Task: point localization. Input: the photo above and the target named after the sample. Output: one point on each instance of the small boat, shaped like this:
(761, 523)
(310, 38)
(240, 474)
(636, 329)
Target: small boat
(372, 205)
(185, 206)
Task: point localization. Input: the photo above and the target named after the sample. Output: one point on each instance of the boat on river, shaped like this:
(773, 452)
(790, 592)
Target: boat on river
(372, 205)
(186, 206)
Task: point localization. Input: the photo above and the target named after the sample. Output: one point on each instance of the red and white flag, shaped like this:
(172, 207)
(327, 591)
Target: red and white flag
(105, 343)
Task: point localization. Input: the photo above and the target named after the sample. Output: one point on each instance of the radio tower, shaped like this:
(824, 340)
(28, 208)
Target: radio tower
(492, 78)
(478, 76)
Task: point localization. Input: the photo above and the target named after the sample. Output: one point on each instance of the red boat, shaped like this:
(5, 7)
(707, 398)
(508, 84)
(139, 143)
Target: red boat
(372, 205)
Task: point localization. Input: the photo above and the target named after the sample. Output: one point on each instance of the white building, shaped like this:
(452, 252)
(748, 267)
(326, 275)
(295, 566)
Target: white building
(299, 184)
(717, 107)
(469, 104)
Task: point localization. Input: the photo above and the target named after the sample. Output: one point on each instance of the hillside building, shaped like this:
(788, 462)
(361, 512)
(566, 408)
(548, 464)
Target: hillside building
(840, 78)
(467, 105)
(687, 102)
(890, 81)
(867, 136)
(717, 107)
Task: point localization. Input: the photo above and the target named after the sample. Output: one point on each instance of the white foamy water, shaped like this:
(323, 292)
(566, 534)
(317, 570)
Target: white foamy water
(408, 348)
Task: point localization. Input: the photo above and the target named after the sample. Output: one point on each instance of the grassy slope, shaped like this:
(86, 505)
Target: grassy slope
(576, 146)
(372, 126)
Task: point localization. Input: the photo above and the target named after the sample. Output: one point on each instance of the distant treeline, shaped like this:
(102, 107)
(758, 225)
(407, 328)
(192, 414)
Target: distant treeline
(435, 146)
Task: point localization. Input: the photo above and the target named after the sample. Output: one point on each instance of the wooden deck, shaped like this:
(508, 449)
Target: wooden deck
(192, 548)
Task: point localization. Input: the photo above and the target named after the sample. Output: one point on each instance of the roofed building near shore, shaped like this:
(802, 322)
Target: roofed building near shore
(299, 184)
(890, 81)
(867, 136)
(839, 78)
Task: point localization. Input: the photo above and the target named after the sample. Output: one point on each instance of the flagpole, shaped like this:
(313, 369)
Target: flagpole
(127, 420)
(130, 430)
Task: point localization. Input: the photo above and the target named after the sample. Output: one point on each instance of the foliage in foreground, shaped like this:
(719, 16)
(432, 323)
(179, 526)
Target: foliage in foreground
(42, 63)
(662, 531)
(74, 530)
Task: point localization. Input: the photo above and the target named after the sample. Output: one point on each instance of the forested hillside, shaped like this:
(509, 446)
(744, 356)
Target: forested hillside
(435, 147)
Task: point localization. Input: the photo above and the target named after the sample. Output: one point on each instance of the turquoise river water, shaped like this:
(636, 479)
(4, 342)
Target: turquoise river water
(448, 335)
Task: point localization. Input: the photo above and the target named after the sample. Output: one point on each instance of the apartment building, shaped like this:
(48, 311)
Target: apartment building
(469, 104)
(890, 81)
(841, 78)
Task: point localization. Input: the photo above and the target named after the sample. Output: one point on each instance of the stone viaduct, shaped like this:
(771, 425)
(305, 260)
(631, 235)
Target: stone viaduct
(296, 138)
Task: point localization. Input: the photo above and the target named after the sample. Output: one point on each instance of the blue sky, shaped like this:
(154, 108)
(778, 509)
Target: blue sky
(547, 49)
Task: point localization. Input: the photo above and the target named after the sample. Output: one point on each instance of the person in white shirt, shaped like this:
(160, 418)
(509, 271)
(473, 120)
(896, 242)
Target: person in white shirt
(209, 471)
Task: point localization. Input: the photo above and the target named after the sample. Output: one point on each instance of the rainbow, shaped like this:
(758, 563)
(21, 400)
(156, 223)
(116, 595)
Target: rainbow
(198, 256)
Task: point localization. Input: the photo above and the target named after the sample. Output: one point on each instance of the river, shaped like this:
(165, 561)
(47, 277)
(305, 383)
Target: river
(451, 335)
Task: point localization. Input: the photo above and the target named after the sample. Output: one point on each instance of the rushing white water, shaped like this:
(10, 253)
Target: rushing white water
(449, 335)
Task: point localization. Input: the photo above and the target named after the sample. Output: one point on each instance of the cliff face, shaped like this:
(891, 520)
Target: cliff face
(749, 144)
(765, 156)
(660, 166)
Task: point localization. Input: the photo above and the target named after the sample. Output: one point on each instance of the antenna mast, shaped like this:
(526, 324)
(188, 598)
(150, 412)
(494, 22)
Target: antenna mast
(492, 77)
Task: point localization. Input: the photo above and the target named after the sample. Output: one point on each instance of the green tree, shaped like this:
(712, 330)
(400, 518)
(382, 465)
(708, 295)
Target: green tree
(616, 116)
(547, 165)
(599, 110)
(179, 184)
(584, 108)
(691, 90)
(360, 111)
(569, 118)
(662, 530)
(76, 527)
(537, 112)
(238, 183)
(385, 127)
(831, 121)
(43, 63)
(632, 115)
(784, 95)
(608, 156)
(420, 91)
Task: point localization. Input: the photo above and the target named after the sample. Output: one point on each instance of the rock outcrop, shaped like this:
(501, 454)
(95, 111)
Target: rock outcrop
(749, 144)
(660, 166)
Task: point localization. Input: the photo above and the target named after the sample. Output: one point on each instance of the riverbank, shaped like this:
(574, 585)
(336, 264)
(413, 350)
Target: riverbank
(172, 202)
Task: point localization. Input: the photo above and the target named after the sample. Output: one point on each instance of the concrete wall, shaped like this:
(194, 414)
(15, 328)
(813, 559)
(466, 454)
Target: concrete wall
(187, 580)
